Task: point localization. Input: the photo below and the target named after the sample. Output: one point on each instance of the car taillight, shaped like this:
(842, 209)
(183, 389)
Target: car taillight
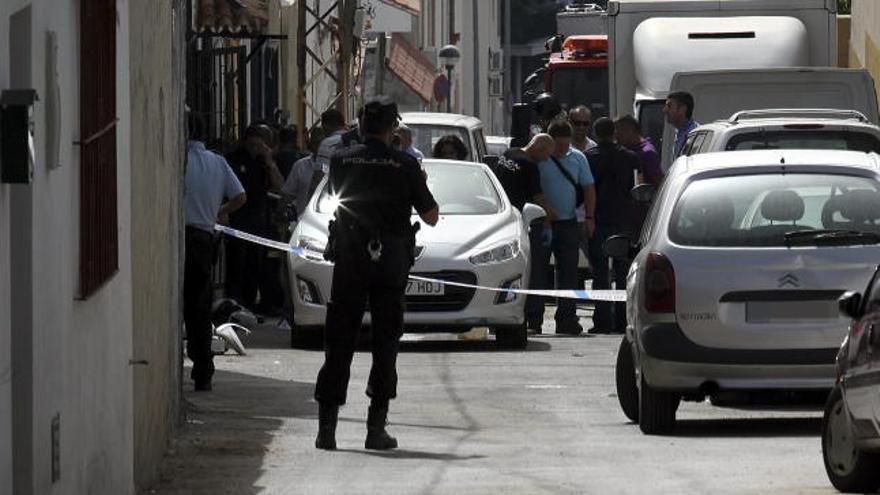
(659, 284)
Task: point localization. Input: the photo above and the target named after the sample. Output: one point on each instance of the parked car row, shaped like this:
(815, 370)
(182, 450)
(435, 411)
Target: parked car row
(744, 278)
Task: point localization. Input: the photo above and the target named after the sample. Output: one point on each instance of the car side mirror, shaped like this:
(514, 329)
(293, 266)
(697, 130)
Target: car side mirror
(491, 160)
(850, 305)
(532, 212)
(619, 247)
(643, 193)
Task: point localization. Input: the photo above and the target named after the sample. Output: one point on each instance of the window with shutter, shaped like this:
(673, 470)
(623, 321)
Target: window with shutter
(98, 256)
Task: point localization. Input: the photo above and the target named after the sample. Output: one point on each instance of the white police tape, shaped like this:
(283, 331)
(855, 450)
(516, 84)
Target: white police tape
(583, 295)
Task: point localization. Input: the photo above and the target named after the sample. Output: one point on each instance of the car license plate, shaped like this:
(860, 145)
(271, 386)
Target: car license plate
(790, 311)
(421, 288)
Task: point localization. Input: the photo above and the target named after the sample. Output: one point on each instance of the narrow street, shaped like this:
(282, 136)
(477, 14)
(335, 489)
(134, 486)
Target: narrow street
(471, 419)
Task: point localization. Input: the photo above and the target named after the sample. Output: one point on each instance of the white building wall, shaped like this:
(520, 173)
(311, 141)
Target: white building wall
(478, 35)
(864, 45)
(81, 349)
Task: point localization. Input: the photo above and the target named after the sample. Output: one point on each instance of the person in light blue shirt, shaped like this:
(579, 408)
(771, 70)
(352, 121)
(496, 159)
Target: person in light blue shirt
(566, 171)
(208, 180)
(679, 112)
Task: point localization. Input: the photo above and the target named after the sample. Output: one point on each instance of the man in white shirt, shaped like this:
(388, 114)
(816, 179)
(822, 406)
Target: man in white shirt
(299, 181)
(208, 181)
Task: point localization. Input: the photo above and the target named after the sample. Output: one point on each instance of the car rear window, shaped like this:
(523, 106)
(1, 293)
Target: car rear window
(805, 140)
(426, 136)
(759, 209)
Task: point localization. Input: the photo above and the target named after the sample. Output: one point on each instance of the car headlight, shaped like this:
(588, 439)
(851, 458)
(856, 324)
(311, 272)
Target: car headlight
(313, 249)
(497, 254)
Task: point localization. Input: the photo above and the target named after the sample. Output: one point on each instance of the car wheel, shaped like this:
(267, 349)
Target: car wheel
(656, 409)
(306, 337)
(512, 337)
(850, 470)
(625, 377)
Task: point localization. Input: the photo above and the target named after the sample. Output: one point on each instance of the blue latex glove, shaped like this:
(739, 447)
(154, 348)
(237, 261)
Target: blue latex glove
(547, 236)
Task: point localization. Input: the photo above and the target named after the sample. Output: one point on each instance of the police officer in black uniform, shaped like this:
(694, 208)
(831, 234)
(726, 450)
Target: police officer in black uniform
(371, 243)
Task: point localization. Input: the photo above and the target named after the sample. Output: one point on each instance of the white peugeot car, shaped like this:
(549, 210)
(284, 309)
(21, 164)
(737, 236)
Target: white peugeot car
(735, 283)
(480, 240)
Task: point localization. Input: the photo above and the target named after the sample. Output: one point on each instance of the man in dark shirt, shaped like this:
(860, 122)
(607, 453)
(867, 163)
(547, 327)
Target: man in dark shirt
(517, 170)
(288, 150)
(372, 243)
(255, 168)
(630, 136)
(614, 169)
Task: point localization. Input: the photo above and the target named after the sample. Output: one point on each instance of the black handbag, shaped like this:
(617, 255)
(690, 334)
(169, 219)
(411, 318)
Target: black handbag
(578, 190)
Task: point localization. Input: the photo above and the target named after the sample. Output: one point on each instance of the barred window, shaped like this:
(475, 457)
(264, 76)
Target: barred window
(98, 255)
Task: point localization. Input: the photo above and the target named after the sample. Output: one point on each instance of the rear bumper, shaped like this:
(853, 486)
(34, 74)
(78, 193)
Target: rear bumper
(671, 361)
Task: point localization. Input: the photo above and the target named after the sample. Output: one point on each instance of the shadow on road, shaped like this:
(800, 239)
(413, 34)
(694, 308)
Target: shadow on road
(270, 337)
(228, 432)
(748, 428)
(453, 346)
(414, 455)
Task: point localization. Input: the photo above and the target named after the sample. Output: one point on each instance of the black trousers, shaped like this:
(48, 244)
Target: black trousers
(564, 248)
(244, 267)
(197, 301)
(607, 316)
(357, 280)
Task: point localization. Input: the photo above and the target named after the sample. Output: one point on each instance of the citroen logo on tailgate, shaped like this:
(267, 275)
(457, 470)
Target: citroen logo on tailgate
(789, 280)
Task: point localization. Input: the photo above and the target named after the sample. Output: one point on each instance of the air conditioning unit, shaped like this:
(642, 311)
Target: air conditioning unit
(496, 86)
(496, 60)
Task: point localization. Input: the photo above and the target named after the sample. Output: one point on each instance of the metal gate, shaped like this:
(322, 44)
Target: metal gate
(217, 89)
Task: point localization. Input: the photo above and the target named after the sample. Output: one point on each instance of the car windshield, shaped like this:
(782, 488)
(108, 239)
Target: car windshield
(458, 190)
(462, 189)
(805, 140)
(426, 136)
(761, 209)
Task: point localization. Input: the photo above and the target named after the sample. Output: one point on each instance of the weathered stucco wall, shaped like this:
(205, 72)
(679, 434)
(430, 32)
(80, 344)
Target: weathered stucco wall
(865, 37)
(157, 168)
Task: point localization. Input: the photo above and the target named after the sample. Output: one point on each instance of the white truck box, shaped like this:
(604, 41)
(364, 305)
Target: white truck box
(651, 40)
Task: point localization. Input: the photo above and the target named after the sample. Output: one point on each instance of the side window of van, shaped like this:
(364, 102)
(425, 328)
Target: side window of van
(706, 145)
(481, 144)
(695, 144)
(688, 147)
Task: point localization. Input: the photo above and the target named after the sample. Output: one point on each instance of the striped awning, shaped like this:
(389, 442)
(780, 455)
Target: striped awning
(411, 67)
(232, 16)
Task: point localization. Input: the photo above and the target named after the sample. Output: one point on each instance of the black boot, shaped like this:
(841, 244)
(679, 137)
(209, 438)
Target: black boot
(328, 415)
(377, 437)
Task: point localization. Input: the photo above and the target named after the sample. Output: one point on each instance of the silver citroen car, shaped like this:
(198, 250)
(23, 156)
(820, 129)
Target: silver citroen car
(736, 276)
(481, 239)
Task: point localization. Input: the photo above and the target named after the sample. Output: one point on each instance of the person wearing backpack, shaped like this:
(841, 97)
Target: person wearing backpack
(567, 183)
(614, 168)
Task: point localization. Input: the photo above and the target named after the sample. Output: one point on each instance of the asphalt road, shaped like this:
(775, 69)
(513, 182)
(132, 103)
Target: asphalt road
(471, 419)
